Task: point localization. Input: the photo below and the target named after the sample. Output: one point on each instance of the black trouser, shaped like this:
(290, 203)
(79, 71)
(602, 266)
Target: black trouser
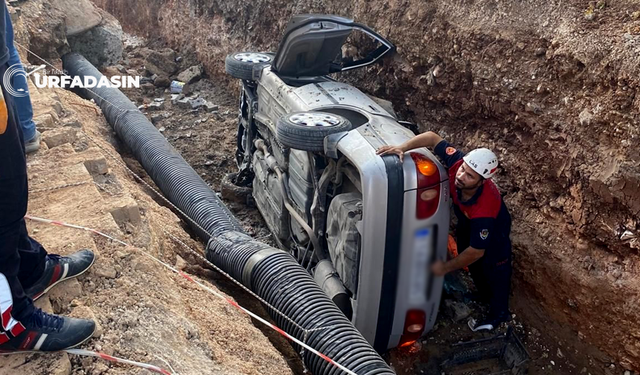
(22, 259)
(493, 281)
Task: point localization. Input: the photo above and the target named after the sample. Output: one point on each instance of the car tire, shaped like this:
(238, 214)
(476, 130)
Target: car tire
(232, 192)
(306, 130)
(242, 64)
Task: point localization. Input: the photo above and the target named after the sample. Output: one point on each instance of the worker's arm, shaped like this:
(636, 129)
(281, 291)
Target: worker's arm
(467, 257)
(428, 139)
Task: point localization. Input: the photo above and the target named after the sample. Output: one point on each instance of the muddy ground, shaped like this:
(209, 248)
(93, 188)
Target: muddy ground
(207, 141)
(550, 85)
(143, 311)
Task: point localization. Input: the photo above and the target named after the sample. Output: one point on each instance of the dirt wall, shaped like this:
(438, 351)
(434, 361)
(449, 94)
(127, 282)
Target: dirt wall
(550, 85)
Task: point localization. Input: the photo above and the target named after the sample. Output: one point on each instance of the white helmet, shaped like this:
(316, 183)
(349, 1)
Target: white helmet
(483, 161)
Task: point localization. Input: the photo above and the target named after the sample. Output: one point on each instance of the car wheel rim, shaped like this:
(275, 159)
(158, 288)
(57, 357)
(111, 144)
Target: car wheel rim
(314, 119)
(252, 57)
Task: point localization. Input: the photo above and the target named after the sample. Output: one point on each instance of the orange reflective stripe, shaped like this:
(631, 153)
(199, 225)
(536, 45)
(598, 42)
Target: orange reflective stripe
(4, 116)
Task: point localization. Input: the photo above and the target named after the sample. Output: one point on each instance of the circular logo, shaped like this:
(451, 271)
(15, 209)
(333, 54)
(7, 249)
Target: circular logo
(15, 70)
(450, 151)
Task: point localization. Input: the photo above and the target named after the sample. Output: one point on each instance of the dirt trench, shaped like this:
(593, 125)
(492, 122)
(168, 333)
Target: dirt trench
(550, 85)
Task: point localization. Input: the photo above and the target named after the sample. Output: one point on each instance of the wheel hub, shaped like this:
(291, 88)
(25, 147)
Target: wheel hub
(315, 119)
(252, 57)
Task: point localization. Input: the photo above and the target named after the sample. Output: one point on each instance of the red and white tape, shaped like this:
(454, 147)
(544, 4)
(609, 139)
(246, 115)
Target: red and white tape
(62, 224)
(204, 287)
(106, 357)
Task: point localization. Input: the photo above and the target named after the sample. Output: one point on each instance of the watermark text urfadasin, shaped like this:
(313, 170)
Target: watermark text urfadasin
(67, 82)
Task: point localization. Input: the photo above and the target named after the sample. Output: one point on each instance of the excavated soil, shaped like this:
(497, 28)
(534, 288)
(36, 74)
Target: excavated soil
(144, 311)
(550, 85)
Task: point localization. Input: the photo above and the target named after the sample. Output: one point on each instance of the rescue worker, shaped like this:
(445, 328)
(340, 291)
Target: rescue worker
(26, 270)
(483, 227)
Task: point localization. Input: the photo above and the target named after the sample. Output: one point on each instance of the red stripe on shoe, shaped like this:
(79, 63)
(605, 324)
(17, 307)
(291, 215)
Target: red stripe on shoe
(6, 317)
(3, 338)
(56, 274)
(29, 342)
(17, 329)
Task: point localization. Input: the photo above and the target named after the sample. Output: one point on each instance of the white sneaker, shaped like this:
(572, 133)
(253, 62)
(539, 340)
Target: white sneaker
(34, 144)
(483, 325)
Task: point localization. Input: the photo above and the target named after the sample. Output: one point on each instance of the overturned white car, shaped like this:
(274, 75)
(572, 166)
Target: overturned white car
(366, 227)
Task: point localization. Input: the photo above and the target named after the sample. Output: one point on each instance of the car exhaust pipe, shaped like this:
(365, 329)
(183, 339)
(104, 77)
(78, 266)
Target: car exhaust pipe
(271, 273)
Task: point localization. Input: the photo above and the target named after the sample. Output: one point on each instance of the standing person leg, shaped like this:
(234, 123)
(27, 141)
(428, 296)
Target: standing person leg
(500, 281)
(483, 294)
(22, 99)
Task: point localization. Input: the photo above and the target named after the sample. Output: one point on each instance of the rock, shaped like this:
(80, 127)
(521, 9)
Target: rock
(192, 74)
(101, 45)
(162, 129)
(457, 310)
(84, 312)
(197, 103)
(97, 166)
(211, 107)
(175, 98)
(589, 14)
(147, 88)
(106, 271)
(533, 107)
(635, 15)
(184, 103)
(99, 368)
(559, 353)
(128, 213)
(155, 118)
(162, 81)
(155, 106)
(57, 107)
(585, 117)
(73, 124)
(44, 303)
(57, 137)
(62, 295)
(541, 51)
(438, 70)
(142, 265)
(61, 366)
(180, 263)
(45, 121)
(80, 15)
(161, 62)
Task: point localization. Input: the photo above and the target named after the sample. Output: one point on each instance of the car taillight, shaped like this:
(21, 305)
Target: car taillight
(413, 327)
(428, 194)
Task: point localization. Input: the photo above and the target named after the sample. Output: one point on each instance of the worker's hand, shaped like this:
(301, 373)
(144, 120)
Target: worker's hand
(438, 268)
(391, 150)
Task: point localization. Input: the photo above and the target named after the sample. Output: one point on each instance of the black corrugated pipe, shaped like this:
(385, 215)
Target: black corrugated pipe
(271, 273)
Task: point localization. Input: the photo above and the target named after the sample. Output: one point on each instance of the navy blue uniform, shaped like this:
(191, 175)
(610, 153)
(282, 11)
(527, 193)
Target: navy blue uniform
(484, 223)
(22, 259)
